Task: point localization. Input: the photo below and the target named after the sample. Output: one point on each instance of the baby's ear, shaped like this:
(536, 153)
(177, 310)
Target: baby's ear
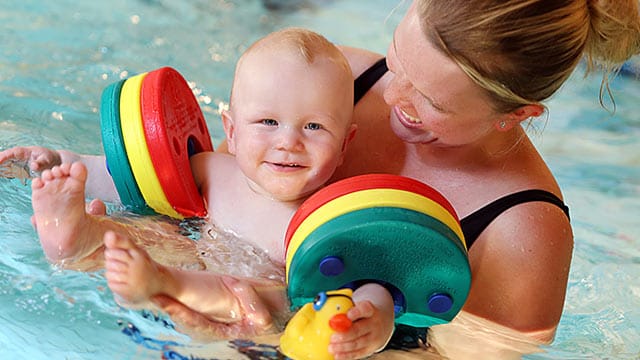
(351, 133)
(229, 131)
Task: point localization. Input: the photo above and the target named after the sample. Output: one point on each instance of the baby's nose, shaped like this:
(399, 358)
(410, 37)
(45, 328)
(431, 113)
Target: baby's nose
(290, 139)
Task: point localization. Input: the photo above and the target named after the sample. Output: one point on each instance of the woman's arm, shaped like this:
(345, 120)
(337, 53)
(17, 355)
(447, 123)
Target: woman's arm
(256, 303)
(520, 266)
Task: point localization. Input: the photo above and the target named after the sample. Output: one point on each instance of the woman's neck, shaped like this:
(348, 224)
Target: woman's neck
(494, 148)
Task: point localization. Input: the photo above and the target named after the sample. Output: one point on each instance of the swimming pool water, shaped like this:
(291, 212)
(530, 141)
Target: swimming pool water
(57, 57)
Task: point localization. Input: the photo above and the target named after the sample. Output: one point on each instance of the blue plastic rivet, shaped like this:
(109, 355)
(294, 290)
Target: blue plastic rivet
(331, 266)
(397, 310)
(440, 303)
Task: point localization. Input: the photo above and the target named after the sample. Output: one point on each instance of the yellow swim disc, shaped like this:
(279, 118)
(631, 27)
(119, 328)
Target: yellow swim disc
(137, 150)
(367, 199)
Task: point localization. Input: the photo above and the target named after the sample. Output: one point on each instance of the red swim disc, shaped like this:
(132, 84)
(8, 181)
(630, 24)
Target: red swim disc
(175, 129)
(358, 183)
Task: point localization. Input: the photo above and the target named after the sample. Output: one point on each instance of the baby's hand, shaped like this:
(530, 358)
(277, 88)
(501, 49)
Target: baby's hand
(371, 329)
(37, 158)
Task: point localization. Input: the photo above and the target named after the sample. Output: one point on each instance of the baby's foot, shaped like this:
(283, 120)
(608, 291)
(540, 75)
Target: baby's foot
(59, 211)
(96, 207)
(131, 273)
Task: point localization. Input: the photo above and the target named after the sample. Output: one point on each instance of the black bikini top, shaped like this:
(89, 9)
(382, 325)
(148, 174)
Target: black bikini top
(368, 78)
(474, 224)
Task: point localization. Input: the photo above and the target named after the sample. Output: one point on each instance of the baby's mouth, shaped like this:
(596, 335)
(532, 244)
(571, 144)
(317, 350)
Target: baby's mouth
(287, 165)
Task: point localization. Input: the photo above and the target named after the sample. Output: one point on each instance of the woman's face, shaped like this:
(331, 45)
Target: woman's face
(433, 101)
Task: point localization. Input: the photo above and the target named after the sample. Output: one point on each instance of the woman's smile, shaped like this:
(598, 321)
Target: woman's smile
(408, 120)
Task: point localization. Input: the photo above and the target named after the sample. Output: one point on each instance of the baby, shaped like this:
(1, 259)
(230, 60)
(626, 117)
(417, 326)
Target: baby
(287, 128)
(288, 125)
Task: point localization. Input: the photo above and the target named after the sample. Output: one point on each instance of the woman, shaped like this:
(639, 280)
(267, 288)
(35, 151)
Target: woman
(463, 77)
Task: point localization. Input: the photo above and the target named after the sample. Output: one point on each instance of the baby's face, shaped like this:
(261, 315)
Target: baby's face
(290, 123)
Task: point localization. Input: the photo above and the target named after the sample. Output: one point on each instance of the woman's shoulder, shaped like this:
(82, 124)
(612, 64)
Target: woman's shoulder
(360, 59)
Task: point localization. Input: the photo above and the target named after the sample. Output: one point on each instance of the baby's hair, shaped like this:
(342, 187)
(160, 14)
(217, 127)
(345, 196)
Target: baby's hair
(309, 44)
(522, 51)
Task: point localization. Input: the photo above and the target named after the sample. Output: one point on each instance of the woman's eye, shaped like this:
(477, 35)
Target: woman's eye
(269, 122)
(313, 126)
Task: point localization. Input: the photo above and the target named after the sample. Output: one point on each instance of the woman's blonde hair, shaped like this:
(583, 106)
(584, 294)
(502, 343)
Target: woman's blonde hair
(522, 51)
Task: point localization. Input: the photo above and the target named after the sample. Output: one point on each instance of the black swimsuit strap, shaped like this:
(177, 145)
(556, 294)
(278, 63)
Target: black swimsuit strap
(474, 224)
(365, 81)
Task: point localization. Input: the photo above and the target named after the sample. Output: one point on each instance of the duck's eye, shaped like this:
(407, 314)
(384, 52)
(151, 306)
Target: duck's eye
(319, 301)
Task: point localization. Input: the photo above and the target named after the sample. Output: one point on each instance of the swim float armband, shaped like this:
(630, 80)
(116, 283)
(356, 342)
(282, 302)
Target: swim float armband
(151, 124)
(381, 228)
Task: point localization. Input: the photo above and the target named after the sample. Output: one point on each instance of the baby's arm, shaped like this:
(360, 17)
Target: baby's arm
(99, 184)
(373, 318)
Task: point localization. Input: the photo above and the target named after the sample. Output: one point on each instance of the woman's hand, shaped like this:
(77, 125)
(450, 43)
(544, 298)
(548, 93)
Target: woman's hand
(256, 318)
(36, 158)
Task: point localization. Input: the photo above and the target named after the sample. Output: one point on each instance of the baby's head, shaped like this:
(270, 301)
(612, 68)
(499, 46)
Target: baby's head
(290, 113)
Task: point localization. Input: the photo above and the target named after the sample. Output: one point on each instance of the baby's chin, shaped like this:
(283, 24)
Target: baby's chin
(280, 193)
(289, 196)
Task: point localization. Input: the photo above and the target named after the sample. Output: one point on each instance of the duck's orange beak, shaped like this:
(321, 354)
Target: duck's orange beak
(340, 323)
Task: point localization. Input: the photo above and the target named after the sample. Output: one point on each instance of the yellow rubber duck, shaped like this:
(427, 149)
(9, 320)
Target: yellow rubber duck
(307, 334)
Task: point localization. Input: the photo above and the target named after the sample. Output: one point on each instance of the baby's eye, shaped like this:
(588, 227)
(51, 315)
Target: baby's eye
(313, 126)
(269, 122)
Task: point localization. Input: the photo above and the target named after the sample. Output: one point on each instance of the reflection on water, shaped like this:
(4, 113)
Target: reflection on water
(466, 337)
(13, 169)
(471, 337)
(223, 252)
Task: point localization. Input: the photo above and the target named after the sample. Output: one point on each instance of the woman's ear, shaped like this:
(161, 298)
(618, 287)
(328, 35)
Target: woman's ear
(229, 131)
(509, 120)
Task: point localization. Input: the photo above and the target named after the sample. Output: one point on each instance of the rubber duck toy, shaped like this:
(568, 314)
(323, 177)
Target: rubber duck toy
(307, 334)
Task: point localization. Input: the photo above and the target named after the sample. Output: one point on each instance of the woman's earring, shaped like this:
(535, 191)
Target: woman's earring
(503, 124)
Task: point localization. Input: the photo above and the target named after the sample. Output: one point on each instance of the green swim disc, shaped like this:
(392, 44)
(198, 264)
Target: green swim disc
(113, 143)
(413, 254)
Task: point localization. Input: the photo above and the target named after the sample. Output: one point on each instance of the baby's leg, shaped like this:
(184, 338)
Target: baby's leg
(64, 228)
(136, 278)
(131, 273)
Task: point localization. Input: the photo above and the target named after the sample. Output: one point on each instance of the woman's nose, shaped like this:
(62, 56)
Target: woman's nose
(395, 90)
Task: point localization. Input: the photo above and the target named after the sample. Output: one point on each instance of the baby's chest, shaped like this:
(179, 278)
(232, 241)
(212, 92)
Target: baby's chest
(264, 226)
